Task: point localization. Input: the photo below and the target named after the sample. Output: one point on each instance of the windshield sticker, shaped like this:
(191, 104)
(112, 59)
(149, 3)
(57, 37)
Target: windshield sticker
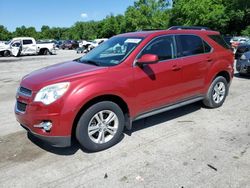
(133, 41)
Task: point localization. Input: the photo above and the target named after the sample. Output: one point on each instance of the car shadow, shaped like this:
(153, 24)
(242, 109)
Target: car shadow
(56, 150)
(137, 126)
(163, 117)
(71, 150)
(237, 75)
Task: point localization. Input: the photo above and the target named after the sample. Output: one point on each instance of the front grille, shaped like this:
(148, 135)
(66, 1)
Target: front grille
(25, 91)
(21, 106)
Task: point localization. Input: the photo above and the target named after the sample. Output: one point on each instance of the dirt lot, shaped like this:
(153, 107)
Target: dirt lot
(187, 147)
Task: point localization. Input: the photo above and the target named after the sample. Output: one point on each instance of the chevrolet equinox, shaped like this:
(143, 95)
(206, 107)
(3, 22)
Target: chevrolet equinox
(129, 77)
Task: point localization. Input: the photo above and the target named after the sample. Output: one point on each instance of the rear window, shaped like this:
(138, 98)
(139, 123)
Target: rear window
(218, 39)
(191, 45)
(27, 42)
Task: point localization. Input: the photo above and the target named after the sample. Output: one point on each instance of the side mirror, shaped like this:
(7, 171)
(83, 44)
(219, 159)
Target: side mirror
(147, 59)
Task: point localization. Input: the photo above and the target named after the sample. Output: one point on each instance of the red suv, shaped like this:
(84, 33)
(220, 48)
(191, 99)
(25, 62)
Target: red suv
(129, 77)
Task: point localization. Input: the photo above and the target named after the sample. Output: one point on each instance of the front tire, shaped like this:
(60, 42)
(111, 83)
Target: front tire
(217, 93)
(100, 126)
(6, 53)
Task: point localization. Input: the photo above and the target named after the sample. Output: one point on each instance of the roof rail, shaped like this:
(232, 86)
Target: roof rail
(189, 27)
(149, 29)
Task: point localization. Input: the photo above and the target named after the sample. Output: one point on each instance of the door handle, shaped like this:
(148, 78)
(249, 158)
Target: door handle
(209, 59)
(176, 68)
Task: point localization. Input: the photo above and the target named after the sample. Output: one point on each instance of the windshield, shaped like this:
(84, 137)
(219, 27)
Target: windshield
(8, 42)
(112, 52)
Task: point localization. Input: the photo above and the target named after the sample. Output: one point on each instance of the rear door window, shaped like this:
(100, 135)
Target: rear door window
(189, 45)
(26, 42)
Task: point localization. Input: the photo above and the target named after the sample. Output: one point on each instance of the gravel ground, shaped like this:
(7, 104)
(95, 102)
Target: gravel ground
(187, 147)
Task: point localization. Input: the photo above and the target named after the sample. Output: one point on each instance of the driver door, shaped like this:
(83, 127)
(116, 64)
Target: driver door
(15, 48)
(158, 84)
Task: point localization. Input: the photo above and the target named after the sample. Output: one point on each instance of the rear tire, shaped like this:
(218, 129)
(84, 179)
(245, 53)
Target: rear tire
(46, 52)
(100, 126)
(217, 93)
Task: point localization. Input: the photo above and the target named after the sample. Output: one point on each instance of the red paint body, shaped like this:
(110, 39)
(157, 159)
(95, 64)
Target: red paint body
(154, 86)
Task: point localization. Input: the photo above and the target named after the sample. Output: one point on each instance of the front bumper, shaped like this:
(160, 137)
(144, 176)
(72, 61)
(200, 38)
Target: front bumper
(33, 114)
(56, 141)
(53, 51)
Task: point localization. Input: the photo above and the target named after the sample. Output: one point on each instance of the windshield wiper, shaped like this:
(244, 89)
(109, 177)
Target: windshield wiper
(91, 62)
(87, 62)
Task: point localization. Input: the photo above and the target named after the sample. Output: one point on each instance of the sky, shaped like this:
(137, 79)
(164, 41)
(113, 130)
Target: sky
(57, 13)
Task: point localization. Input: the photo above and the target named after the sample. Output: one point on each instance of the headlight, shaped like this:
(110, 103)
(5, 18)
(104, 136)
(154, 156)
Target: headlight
(51, 93)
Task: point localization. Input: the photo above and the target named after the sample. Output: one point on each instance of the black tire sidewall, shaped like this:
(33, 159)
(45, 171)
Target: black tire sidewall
(82, 126)
(6, 53)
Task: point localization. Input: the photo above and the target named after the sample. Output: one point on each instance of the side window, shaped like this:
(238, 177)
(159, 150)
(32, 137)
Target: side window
(25, 42)
(163, 47)
(220, 41)
(207, 48)
(15, 44)
(190, 45)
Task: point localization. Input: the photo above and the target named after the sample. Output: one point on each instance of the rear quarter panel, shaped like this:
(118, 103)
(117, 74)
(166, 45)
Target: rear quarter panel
(223, 60)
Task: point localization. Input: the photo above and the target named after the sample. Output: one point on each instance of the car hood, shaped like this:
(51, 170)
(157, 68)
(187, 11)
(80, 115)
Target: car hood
(3, 46)
(58, 73)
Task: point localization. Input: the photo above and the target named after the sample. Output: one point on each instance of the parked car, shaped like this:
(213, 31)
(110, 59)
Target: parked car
(236, 41)
(26, 46)
(242, 48)
(86, 46)
(96, 43)
(243, 64)
(70, 44)
(94, 97)
(59, 44)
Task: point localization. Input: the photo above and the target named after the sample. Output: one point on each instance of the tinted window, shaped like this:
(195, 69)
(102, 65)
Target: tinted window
(27, 42)
(218, 39)
(207, 48)
(163, 47)
(16, 44)
(190, 45)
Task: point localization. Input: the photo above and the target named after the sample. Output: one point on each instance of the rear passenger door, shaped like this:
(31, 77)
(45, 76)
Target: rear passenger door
(196, 58)
(28, 47)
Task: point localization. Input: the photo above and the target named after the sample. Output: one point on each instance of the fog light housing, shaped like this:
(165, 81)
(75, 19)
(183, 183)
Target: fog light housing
(45, 125)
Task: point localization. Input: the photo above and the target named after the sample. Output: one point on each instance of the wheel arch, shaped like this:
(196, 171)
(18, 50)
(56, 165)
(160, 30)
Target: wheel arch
(41, 50)
(113, 98)
(224, 74)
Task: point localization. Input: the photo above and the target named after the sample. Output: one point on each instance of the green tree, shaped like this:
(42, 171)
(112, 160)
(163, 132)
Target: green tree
(25, 32)
(238, 12)
(4, 33)
(147, 14)
(209, 13)
(111, 25)
(246, 32)
(227, 16)
(83, 30)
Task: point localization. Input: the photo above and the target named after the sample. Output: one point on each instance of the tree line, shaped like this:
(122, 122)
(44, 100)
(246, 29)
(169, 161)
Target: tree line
(230, 17)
